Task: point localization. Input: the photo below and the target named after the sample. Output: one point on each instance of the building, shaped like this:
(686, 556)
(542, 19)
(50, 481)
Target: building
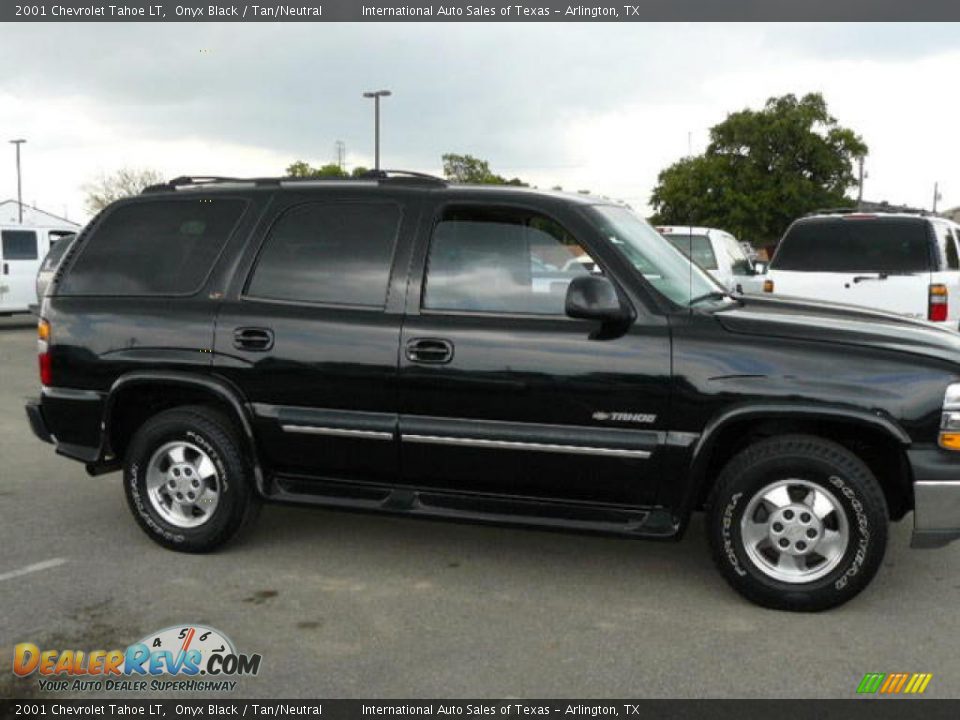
(953, 214)
(33, 217)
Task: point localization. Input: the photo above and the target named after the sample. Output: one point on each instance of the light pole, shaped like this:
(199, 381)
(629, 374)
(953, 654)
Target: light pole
(376, 95)
(18, 143)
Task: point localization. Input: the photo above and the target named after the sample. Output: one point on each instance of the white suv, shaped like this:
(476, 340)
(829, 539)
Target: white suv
(717, 252)
(906, 263)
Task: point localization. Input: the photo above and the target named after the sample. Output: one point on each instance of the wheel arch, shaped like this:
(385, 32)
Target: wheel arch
(877, 439)
(155, 391)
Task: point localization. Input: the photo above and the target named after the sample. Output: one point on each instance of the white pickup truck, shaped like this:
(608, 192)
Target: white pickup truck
(906, 263)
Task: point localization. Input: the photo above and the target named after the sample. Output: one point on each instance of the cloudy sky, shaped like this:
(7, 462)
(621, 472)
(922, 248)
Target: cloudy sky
(600, 106)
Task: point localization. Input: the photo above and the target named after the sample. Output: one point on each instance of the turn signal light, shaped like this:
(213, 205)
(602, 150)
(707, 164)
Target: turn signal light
(950, 440)
(43, 331)
(937, 306)
(43, 351)
(768, 286)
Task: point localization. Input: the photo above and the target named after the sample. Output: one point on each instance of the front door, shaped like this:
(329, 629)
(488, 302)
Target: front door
(311, 337)
(19, 262)
(501, 392)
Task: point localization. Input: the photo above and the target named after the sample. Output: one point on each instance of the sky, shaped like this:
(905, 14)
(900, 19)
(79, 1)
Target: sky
(598, 106)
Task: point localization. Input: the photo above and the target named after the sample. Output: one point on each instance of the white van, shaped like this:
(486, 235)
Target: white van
(22, 248)
(717, 252)
(906, 263)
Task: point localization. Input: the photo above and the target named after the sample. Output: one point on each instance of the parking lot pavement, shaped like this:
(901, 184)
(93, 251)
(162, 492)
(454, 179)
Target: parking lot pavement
(347, 605)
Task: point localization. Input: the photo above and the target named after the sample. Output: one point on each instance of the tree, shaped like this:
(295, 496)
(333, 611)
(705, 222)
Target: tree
(762, 170)
(123, 183)
(300, 169)
(474, 171)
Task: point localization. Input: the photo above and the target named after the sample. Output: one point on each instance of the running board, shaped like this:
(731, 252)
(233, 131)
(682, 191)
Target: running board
(429, 503)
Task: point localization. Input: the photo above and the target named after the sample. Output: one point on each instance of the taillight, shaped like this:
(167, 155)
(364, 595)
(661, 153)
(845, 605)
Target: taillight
(937, 306)
(768, 286)
(43, 352)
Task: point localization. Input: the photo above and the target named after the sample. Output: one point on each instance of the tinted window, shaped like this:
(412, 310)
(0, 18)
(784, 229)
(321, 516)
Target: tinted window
(57, 250)
(696, 245)
(19, 245)
(164, 247)
(877, 245)
(502, 260)
(332, 253)
(953, 261)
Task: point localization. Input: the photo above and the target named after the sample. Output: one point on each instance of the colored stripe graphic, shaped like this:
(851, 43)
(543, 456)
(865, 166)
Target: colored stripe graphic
(894, 683)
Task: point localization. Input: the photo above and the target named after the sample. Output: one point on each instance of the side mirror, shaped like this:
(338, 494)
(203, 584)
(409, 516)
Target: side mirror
(759, 268)
(593, 297)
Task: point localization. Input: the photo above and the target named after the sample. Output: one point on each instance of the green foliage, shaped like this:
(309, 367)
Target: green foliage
(473, 171)
(300, 169)
(762, 170)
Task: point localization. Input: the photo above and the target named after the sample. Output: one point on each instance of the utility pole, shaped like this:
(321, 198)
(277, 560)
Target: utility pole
(376, 95)
(860, 184)
(936, 195)
(341, 149)
(18, 143)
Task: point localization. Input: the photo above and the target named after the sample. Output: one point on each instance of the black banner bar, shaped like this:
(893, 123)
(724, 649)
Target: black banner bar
(477, 11)
(876, 709)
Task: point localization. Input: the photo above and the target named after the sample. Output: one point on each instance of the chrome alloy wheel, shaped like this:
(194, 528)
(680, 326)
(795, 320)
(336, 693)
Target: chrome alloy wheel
(795, 531)
(183, 484)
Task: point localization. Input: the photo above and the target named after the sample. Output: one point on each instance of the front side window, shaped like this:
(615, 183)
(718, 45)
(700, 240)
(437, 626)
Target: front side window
(19, 244)
(501, 260)
(697, 247)
(329, 253)
(158, 247)
(739, 262)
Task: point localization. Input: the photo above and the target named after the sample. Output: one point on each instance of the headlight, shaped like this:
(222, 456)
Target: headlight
(950, 420)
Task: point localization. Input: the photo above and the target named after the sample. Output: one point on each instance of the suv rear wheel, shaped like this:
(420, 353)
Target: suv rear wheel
(797, 523)
(187, 481)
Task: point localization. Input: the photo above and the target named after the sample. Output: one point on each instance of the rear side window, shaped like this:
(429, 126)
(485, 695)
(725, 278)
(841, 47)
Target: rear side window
(164, 247)
(19, 244)
(329, 253)
(697, 247)
(953, 260)
(876, 245)
(57, 250)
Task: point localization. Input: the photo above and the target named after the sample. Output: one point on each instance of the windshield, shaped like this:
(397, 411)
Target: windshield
(853, 245)
(667, 269)
(696, 245)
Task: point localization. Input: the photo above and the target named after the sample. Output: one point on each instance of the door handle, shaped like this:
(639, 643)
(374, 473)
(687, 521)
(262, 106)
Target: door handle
(6, 269)
(252, 338)
(434, 351)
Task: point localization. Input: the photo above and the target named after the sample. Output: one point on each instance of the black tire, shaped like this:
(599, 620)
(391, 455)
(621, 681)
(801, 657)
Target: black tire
(238, 503)
(819, 462)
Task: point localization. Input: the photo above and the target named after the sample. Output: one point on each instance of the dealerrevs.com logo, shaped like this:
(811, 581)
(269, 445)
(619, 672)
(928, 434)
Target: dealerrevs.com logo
(185, 652)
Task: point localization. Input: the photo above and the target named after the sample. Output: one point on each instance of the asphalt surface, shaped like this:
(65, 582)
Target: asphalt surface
(344, 605)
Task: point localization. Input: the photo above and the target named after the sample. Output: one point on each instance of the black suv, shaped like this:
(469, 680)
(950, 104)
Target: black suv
(399, 344)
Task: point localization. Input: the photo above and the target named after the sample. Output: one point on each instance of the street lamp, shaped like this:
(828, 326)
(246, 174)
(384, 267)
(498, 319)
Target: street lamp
(376, 127)
(18, 143)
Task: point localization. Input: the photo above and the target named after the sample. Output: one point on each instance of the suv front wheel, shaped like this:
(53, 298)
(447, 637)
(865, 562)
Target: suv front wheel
(797, 523)
(187, 480)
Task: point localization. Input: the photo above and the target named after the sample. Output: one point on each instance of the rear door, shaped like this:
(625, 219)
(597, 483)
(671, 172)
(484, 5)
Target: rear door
(310, 333)
(19, 261)
(883, 263)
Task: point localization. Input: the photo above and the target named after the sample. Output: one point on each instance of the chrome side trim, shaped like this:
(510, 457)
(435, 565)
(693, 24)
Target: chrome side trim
(514, 445)
(338, 432)
(63, 393)
(675, 438)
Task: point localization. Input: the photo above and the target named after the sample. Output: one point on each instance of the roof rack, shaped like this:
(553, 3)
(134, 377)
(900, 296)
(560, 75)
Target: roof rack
(870, 209)
(193, 181)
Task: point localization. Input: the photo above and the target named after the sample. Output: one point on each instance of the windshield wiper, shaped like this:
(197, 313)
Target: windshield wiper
(878, 276)
(713, 295)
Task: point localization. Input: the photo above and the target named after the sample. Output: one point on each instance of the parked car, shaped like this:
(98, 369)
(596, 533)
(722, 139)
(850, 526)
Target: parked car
(717, 252)
(904, 263)
(21, 249)
(50, 264)
(381, 345)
